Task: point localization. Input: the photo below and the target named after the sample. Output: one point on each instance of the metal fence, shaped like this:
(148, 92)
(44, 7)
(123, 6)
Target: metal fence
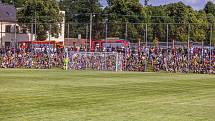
(163, 35)
(148, 33)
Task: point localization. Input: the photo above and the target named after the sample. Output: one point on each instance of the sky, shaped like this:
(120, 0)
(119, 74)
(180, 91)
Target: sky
(195, 4)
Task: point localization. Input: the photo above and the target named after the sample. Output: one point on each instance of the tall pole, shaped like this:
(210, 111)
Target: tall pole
(117, 61)
(35, 15)
(147, 55)
(146, 27)
(86, 37)
(202, 58)
(1, 36)
(49, 54)
(167, 36)
(211, 37)
(91, 22)
(68, 31)
(106, 31)
(31, 46)
(15, 45)
(188, 49)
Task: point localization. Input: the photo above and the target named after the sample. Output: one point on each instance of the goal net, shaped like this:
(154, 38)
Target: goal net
(103, 61)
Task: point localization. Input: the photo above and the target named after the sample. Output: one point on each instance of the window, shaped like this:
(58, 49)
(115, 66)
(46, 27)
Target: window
(17, 29)
(7, 44)
(24, 31)
(8, 28)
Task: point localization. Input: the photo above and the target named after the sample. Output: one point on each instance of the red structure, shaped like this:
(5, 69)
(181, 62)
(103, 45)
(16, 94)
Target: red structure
(100, 44)
(38, 44)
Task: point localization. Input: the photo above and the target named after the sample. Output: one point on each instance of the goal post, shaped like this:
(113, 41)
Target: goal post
(103, 61)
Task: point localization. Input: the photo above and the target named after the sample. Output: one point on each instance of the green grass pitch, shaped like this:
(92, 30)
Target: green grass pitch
(58, 95)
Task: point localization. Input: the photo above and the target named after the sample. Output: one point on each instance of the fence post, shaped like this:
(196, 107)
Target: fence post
(49, 54)
(91, 26)
(146, 27)
(14, 42)
(202, 58)
(68, 31)
(31, 46)
(1, 36)
(66, 59)
(211, 37)
(188, 49)
(167, 36)
(147, 49)
(117, 60)
(86, 37)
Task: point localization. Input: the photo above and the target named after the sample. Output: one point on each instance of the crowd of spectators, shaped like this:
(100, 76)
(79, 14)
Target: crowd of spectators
(40, 58)
(195, 59)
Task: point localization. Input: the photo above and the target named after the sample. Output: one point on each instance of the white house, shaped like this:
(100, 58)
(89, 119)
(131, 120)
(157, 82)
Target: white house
(8, 26)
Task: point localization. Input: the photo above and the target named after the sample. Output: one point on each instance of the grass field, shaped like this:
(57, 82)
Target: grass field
(57, 95)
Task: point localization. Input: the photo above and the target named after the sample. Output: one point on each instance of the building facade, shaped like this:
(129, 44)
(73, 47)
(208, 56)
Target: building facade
(11, 32)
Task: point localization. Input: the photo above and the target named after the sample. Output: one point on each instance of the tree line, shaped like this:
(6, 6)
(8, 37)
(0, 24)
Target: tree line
(127, 19)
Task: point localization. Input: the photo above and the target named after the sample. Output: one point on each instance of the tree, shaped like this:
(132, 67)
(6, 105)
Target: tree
(210, 8)
(182, 15)
(126, 11)
(46, 13)
(199, 29)
(211, 21)
(158, 29)
(78, 14)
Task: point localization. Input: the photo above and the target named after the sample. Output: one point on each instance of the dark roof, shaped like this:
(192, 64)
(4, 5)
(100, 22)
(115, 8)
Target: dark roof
(7, 13)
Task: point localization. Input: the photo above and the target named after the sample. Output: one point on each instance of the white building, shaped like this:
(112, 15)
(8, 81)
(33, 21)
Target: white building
(8, 26)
